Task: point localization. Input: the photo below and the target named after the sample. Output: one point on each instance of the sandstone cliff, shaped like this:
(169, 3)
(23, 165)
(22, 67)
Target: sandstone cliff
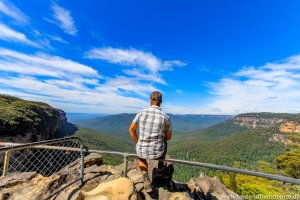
(290, 127)
(253, 121)
(26, 121)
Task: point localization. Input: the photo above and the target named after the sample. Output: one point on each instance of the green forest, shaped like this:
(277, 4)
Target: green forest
(227, 144)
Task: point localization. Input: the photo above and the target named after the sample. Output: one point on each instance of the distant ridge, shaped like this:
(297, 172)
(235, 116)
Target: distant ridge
(118, 124)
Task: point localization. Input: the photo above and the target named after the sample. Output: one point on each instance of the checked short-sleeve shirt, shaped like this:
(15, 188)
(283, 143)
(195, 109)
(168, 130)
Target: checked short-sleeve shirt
(153, 124)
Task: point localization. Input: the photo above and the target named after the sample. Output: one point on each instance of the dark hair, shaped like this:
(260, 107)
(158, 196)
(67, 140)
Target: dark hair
(156, 98)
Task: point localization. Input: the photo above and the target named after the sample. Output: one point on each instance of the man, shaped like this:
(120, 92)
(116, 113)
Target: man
(154, 130)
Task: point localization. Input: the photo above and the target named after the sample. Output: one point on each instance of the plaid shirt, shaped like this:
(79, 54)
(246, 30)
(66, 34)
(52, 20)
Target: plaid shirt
(153, 125)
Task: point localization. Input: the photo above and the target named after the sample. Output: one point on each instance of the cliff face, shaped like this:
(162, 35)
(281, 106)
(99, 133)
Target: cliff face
(26, 121)
(288, 122)
(290, 127)
(253, 122)
(286, 125)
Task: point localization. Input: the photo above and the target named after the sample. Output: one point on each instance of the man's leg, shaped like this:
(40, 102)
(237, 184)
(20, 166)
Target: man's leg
(143, 165)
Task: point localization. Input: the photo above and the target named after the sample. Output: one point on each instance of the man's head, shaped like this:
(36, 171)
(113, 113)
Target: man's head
(156, 98)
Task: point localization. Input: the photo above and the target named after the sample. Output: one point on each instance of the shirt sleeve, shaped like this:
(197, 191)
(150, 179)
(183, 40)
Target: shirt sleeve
(136, 120)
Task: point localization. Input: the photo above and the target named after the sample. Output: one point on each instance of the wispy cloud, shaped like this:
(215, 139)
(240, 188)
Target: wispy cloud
(56, 38)
(130, 86)
(12, 11)
(133, 57)
(9, 34)
(63, 19)
(73, 86)
(271, 87)
(66, 84)
(42, 64)
(80, 100)
(139, 65)
(141, 75)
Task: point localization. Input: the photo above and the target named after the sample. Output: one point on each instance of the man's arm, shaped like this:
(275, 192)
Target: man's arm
(132, 131)
(168, 135)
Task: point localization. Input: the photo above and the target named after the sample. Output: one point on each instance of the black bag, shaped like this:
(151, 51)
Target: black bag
(163, 179)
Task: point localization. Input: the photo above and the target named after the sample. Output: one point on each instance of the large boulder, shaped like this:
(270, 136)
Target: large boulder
(210, 188)
(118, 189)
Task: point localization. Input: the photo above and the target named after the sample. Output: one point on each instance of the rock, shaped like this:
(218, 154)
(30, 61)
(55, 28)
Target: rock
(210, 188)
(34, 189)
(118, 189)
(290, 127)
(165, 194)
(93, 159)
(256, 121)
(16, 178)
(105, 182)
(283, 138)
(180, 196)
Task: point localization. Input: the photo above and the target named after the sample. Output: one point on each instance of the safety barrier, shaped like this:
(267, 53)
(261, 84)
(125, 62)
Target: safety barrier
(206, 165)
(48, 157)
(45, 158)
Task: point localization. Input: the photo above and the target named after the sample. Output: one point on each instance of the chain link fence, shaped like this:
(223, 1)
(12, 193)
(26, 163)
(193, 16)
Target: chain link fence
(39, 170)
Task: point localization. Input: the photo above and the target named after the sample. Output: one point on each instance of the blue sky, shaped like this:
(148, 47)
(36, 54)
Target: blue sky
(213, 57)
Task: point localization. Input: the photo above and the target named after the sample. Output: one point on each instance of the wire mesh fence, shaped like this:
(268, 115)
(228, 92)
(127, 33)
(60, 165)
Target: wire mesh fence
(39, 170)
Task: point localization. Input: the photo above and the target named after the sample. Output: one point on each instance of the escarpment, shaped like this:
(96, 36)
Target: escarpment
(24, 121)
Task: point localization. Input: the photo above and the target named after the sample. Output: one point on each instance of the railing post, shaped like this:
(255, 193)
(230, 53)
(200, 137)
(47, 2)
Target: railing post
(125, 165)
(6, 160)
(81, 173)
(6, 163)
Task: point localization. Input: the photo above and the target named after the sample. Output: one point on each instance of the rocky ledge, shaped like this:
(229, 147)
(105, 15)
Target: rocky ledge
(105, 182)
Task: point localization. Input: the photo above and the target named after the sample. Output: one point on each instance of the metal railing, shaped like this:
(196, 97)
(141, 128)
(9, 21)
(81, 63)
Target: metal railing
(46, 158)
(67, 145)
(206, 165)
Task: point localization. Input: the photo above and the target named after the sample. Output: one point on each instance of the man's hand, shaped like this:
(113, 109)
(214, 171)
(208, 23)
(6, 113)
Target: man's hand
(168, 135)
(132, 131)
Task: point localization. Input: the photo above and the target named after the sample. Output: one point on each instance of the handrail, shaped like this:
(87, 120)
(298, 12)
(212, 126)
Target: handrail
(84, 150)
(17, 146)
(207, 165)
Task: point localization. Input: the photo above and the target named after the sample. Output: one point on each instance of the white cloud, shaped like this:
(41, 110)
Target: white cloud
(9, 34)
(67, 84)
(130, 86)
(134, 58)
(273, 87)
(57, 39)
(73, 86)
(12, 11)
(83, 99)
(152, 77)
(139, 65)
(63, 19)
(49, 65)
